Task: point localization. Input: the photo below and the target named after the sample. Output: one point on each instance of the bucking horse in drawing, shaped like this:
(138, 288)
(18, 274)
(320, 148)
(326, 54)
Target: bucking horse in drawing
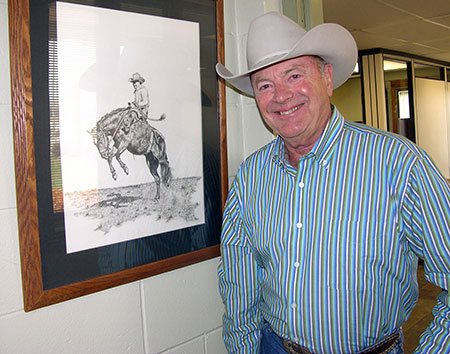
(124, 129)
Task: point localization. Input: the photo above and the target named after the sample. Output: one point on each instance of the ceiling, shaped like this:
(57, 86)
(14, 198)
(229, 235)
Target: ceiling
(419, 27)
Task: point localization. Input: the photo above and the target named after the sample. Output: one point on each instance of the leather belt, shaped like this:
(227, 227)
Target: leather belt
(382, 347)
(294, 348)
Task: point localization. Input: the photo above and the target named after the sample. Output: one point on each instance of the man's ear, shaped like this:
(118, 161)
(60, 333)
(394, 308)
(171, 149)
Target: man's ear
(328, 74)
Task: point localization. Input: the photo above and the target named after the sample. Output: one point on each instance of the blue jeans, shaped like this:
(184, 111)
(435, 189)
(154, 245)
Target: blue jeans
(271, 343)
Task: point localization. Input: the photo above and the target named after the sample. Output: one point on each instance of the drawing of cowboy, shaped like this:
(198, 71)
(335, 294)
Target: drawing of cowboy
(141, 97)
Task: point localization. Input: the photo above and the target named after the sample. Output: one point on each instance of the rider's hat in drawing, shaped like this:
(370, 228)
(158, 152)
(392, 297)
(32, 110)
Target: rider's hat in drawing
(136, 77)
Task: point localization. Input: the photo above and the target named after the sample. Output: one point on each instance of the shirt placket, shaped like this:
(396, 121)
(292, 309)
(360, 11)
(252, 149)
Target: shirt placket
(297, 249)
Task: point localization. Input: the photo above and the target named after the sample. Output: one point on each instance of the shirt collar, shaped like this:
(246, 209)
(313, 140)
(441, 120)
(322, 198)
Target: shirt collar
(323, 148)
(139, 88)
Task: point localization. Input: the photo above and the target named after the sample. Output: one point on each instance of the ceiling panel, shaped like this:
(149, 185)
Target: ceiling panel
(441, 56)
(443, 20)
(440, 43)
(362, 14)
(412, 31)
(417, 27)
(368, 40)
(425, 9)
(417, 49)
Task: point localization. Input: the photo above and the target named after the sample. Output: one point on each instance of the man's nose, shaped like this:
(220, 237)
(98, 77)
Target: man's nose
(282, 93)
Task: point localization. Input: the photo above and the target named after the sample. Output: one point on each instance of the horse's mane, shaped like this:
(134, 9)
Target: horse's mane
(113, 113)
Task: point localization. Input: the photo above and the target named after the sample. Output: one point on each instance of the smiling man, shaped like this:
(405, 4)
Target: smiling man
(323, 227)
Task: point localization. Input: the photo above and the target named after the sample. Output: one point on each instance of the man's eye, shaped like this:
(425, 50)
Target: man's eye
(263, 87)
(295, 76)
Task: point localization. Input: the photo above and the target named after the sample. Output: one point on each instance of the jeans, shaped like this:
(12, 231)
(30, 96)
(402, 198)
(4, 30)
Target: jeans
(271, 343)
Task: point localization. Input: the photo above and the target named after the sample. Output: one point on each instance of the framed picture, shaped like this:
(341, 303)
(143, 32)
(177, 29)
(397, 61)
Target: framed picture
(119, 140)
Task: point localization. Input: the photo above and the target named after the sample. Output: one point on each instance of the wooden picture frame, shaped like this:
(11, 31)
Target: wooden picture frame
(39, 238)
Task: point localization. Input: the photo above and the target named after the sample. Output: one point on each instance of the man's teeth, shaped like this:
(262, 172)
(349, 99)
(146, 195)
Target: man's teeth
(283, 113)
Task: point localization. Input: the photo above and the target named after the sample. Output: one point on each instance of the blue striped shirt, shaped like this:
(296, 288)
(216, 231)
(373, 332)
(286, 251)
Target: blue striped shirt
(327, 252)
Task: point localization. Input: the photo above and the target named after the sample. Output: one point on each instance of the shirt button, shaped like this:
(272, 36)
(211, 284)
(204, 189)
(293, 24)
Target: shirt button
(296, 264)
(299, 225)
(324, 163)
(294, 305)
(301, 184)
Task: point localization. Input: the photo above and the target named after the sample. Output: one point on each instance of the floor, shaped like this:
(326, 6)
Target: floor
(421, 315)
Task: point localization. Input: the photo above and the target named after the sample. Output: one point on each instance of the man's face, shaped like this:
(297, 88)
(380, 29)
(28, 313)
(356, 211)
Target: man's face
(294, 98)
(136, 84)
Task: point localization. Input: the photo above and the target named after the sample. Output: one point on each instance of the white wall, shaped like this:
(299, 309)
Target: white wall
(347, 98)
(175, 312)
(432, 120)
(246, 131)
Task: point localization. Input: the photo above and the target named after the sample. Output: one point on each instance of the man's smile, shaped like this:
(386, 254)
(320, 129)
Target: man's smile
(289, 111)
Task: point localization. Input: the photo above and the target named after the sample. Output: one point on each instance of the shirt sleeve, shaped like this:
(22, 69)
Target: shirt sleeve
(427, 211)
(238, 282)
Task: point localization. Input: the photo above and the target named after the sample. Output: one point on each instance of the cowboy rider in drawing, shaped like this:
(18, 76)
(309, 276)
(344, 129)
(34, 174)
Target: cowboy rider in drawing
(141, 97)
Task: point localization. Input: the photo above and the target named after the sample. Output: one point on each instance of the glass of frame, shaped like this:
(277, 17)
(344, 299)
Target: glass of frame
(119, 140)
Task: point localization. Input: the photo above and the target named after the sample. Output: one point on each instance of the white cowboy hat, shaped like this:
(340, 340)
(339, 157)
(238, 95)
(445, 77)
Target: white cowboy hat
(273, 38)
(136, 77)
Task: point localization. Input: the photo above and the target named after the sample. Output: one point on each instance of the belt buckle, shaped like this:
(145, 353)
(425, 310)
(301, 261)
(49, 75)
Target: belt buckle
(294, 348)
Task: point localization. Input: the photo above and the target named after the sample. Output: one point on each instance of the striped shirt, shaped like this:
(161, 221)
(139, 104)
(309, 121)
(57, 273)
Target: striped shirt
(327, 252)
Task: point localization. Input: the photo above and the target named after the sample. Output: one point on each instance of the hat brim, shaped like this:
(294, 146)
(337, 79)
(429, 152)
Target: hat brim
(332, 42)
(141, 80)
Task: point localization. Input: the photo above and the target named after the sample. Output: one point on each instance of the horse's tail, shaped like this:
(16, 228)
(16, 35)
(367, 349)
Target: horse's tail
(160, 142)
(162, 117)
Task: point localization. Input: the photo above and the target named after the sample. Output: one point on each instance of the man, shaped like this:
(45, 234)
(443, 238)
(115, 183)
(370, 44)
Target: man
(323, 226)
(141, 97)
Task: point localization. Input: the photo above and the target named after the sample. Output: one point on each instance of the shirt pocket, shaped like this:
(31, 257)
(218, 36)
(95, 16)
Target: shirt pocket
(359, 254)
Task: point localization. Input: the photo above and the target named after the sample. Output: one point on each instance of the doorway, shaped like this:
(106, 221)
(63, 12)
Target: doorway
(399, 98)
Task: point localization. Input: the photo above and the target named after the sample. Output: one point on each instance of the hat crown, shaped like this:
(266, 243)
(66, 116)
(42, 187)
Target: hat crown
(270, 36)
(136, 77)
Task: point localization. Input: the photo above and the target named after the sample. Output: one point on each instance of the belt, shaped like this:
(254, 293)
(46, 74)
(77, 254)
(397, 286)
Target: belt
(382, 347)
